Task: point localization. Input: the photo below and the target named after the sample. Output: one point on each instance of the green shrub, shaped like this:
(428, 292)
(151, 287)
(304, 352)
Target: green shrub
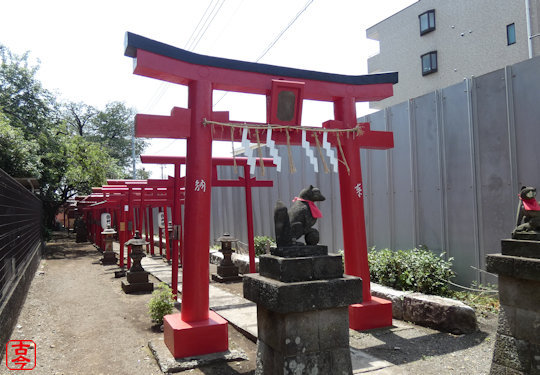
(261, 243)
(161, 303)
(418, 270)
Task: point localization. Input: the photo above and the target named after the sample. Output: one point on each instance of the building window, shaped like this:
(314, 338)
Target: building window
(511, 33)
(429, 63)
(427, 21)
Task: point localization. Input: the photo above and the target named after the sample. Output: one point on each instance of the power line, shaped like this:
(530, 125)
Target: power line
(204, 32)
(272, 44)
(197, 27)
(276, 39)
(196, 36)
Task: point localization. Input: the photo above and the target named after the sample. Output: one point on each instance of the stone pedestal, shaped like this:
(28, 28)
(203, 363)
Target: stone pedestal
(109, 258)
(517, 346)
(137, 277)
(226, 270)
(302, 311)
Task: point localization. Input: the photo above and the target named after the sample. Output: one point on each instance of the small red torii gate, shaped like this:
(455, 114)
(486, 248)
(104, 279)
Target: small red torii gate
(186, 333)
(245, 182)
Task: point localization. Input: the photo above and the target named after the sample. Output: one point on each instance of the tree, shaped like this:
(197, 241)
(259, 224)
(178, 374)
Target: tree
(78, 118)
(113, 128)
(18, 156)
(23, 100)
(70, 148)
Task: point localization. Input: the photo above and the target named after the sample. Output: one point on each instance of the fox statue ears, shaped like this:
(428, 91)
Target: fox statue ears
(310, 187)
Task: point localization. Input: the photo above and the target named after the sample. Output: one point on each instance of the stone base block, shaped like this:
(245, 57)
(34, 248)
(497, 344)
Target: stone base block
(109, 258)
(303, 343)
(521, 248)
(226, 279)
(227, 271)
(186, 339)
(376, 313)
(299, 251)
(269, 362)
(137, 287)
(302, 296)
(301, 268)
(137, 277)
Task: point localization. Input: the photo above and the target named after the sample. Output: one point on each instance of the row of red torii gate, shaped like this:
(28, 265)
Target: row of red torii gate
(285, 90)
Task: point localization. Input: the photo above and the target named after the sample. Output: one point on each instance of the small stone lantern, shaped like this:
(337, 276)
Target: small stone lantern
(109, 257)
(226, 271)
(137, 277)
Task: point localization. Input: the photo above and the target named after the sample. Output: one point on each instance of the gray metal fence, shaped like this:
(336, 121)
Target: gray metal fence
(20, 232)
(450, 183)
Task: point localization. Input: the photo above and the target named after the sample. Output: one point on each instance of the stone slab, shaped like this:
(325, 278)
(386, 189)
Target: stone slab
(441, 313)
(512, 266)
(299, 251)
(395, 296)
(521, 248)
(137, 287)
(302, 296)
(168, 364)
(301, 268)
(226, 279)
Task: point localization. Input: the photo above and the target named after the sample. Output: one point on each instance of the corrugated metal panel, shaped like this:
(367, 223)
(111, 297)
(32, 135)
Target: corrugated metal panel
(428, 172)
(459, 190)
(398, 119)
(495, 201)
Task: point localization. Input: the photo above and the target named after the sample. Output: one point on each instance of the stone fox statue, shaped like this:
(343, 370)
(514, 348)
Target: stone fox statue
(298, 220)
(528, 215)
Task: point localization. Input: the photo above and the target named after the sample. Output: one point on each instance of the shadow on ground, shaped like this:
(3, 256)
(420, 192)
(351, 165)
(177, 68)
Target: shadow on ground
(397, 348)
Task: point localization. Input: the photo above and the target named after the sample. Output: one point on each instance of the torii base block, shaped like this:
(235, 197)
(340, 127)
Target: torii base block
(195, 338)
(376, 313)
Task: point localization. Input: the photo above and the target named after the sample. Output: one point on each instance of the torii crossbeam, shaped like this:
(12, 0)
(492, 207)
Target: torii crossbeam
(285, 88)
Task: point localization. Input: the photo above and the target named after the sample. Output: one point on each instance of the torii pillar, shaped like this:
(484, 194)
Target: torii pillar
(200, 331)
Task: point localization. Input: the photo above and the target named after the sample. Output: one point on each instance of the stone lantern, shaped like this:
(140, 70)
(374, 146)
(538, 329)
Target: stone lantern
(137, 277)
(109, 257)
(226, 271)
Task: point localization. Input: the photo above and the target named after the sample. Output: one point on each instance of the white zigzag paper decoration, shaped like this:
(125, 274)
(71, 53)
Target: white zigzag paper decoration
(309, 152)
(272, 149)
(329, 152)
(251, 160)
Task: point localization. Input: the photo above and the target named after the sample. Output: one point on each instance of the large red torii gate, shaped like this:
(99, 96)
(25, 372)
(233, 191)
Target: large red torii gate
(285, 88)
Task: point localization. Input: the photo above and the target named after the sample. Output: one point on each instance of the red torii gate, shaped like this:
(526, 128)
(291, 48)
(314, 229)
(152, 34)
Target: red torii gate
(285, 89)
(246, 182)
(143, 193)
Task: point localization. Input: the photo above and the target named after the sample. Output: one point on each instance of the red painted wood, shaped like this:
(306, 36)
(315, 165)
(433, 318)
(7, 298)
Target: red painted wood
(195, 280)
(164, 68)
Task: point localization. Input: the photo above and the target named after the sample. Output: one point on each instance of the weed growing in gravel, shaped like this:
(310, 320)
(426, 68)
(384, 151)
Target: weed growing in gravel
(161, 303)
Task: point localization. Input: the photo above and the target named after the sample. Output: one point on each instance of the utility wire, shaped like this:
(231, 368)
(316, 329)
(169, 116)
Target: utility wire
(197, 27)
(276, 39)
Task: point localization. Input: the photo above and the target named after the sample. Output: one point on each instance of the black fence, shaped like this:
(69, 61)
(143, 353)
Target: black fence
(20, 232)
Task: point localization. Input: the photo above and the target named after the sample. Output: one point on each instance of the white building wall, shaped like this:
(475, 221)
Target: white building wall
(470, 40)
